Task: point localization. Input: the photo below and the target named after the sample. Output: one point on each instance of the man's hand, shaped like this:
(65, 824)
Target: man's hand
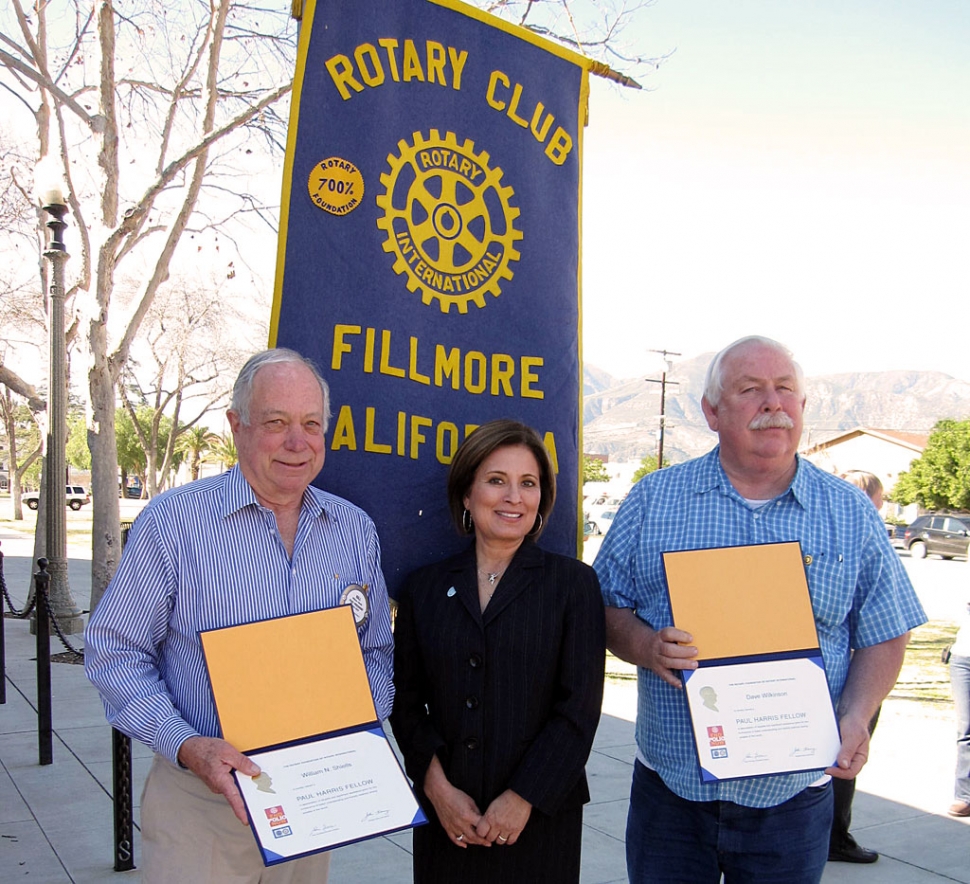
(666, 654)
(854, 751)
(505, 818)
(662, 652)
(872, 674)
(213, 760)
(457, 812)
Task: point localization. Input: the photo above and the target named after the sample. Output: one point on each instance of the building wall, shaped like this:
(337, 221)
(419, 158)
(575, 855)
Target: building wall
(879, 456)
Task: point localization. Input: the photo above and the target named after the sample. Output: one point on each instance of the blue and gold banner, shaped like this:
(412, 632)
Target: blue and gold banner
(429, 252)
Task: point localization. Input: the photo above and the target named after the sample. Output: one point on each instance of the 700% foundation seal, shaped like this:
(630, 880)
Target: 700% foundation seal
(336, 186)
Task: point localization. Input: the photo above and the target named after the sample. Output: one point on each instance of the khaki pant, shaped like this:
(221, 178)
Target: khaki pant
(190, 834)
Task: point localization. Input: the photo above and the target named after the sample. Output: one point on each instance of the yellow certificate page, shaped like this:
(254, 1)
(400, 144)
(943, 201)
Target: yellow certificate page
(742, 601)
(280, 680)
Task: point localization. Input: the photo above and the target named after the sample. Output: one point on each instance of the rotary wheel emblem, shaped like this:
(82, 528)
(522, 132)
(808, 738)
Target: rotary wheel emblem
(448, 220)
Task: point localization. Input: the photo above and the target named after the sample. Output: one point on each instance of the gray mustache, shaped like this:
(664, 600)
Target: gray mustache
(773, 420)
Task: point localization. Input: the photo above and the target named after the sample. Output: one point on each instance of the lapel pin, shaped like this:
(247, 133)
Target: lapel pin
(355, 595)
(451, 592)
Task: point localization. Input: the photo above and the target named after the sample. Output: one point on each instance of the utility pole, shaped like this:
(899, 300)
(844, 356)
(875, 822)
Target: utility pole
(663, 400)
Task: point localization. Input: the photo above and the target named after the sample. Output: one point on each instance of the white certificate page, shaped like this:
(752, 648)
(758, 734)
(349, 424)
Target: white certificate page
(332, 791)
(757, 718)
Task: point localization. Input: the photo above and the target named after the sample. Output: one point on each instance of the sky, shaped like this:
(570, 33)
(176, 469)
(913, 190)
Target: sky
(794, 169)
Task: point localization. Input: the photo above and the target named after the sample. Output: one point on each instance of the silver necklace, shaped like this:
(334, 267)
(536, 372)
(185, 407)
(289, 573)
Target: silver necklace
(491, 577)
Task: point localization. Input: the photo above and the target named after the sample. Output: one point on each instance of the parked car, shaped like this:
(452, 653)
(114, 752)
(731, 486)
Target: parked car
(606, 500)
(937, 534)
(601, 519)
(76, 497)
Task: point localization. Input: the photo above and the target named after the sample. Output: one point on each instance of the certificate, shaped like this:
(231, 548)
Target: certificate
(757, 718)
(759, 700)
(292, 693)
(326, 793)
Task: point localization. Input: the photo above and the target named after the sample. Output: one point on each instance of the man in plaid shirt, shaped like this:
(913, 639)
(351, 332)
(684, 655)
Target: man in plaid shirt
(752, 488)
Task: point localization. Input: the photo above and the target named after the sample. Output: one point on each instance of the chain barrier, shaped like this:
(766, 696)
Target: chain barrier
(31, 602)
(3, 640)
(121, 761)
(28, 610)
(74, 652)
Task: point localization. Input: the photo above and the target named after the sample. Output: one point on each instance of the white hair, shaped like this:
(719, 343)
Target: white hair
(714, 381)
(242, 390)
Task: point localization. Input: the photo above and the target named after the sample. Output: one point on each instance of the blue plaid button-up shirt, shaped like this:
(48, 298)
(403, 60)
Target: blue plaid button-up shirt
(861, 595)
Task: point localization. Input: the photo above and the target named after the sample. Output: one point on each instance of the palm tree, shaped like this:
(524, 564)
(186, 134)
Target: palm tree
(223, 450)
(195, 443)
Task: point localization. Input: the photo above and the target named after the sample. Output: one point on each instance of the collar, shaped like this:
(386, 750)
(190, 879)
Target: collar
(238, 494)
(711, 477)
(516, 579)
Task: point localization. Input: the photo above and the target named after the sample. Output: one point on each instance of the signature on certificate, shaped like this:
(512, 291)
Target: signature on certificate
(372, 816)
(754, 757)
(802, 752)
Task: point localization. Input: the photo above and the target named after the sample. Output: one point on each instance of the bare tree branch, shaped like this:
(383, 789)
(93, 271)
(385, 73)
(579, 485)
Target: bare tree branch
(12, 380)
(93, 122)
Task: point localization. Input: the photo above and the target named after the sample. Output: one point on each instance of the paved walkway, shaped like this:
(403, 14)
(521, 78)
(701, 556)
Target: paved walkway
(56, 820)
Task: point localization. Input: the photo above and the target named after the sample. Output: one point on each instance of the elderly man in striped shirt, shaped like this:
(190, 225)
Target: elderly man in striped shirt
(752, 488)
(256, 542)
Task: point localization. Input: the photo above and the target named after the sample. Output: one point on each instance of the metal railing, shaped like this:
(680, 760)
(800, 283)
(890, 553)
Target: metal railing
(121, 764)
(39, 603)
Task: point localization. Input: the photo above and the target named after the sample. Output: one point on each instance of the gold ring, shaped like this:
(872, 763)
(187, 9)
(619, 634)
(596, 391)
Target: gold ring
(503, 840)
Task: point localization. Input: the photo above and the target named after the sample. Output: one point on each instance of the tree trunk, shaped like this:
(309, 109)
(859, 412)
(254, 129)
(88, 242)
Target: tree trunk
(106, 530)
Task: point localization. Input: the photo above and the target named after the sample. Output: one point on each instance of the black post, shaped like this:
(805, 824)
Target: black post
(123, 803)
(123, 811)
(3, 641)
(45, 740)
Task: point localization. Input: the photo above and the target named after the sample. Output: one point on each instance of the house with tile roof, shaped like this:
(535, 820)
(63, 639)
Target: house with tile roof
(885, 453)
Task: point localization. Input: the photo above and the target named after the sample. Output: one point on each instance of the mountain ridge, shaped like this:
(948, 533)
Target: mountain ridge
(621, 416)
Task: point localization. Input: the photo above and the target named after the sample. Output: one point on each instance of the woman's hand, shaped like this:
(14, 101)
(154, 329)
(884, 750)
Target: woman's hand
(457, 812)
(505, 818)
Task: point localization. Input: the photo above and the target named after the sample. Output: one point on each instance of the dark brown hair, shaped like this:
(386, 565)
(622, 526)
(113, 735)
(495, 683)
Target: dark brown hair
(478, 445)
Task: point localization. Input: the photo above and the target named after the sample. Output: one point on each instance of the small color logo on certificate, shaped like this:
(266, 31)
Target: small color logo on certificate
(275, 816)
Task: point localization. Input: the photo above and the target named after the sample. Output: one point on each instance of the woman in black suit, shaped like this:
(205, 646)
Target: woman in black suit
(499, 658)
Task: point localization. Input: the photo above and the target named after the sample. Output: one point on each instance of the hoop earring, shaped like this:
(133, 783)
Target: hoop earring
(466, 522)
(536, 528)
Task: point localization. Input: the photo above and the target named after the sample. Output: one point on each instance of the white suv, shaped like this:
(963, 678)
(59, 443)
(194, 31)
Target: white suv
(76, 497)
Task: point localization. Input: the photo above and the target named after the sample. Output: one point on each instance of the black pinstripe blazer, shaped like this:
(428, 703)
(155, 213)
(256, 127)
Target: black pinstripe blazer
(509, 697)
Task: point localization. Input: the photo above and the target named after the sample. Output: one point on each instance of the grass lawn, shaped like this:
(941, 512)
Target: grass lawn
(924, 677)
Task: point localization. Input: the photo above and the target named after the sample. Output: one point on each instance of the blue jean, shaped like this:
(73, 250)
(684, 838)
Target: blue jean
(670, 839)
(960, 685)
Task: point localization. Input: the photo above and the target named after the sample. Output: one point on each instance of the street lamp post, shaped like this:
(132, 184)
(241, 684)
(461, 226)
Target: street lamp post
(62, 604)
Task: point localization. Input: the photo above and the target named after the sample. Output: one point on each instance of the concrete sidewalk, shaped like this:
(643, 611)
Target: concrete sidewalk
(56, 821)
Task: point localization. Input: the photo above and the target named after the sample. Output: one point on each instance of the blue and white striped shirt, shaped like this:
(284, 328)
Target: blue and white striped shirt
(208, 555)
(861, 595)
